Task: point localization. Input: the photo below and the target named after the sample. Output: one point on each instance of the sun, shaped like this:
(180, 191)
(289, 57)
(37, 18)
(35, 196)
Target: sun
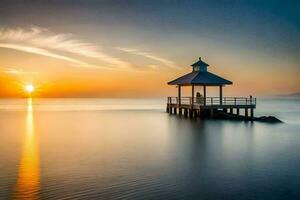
(29, 88)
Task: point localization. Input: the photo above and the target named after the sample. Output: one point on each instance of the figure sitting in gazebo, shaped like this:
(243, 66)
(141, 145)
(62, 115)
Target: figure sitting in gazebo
(199, 98)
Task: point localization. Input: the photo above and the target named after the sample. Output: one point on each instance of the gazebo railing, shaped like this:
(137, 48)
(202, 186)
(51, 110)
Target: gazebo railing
(212, 101)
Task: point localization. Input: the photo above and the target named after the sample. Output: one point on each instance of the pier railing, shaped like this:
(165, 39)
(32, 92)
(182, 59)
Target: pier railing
(212, 101)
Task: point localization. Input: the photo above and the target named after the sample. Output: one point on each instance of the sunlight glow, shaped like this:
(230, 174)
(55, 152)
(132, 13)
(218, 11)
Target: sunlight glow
(29, 88)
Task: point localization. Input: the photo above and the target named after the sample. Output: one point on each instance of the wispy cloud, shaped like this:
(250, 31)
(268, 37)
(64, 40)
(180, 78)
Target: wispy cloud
(164, 61)
(41, 41)
(16, 71)
(43, 52)
(66, 47)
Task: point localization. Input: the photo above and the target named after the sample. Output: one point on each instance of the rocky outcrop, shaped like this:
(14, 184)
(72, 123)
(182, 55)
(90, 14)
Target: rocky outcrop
(266, 119)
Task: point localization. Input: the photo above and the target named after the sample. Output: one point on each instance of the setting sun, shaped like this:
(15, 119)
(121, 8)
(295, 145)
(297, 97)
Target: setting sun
(29, 88)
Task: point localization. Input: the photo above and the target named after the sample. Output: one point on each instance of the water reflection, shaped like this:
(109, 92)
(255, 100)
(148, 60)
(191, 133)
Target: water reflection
(28, 182)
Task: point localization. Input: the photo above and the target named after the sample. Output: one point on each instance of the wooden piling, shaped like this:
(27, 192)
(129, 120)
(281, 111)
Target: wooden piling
(191, 113)
(195, 114)
(211, 113)
(246, 112)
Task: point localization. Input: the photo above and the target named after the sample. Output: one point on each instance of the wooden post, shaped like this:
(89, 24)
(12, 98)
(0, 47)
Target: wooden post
(167, 104)
(200, 112)
(194, 114)
(179, 96)
(231, 110)
(251, 113)
(192, 96)
(221, 94)
(175, 110)
(191, 113)
(211, 113)
(246, 112)
(204, 94)
(238, 111)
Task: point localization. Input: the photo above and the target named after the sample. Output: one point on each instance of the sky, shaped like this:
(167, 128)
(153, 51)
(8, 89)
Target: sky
(131, 49)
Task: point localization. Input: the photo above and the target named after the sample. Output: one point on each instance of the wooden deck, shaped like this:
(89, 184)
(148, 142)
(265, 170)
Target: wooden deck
(208, 107)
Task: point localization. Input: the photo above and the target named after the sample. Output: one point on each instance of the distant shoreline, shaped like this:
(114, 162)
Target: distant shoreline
(297, 95)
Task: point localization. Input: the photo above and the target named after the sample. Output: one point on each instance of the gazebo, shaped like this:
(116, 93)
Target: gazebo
(201, 77)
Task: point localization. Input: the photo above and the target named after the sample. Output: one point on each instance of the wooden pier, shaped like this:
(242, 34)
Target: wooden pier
(204, 106)
(193, 107)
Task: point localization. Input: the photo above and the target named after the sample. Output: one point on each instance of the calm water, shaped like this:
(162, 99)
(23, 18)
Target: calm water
(132, 149)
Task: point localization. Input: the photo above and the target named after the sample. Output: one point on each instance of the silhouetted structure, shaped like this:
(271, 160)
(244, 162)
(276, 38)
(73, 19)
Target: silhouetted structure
(203, 105)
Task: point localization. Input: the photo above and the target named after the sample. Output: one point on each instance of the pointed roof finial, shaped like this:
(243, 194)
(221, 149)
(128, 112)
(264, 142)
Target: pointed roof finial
(200, 63)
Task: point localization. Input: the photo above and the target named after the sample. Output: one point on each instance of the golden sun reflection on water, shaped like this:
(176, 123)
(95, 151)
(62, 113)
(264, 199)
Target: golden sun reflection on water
(28, 181)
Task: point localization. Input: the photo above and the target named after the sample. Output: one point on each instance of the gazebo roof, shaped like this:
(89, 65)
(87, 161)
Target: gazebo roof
(200, 78)
(199, 63)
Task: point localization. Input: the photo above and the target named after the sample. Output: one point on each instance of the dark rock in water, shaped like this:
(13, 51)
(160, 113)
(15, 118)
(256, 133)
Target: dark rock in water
(268, 119)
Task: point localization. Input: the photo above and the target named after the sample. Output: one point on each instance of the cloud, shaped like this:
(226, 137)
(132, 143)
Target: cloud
(41, 41)
(15, 71)
(43, 52)
(66, 47)
(164, 61)
(19, 34)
